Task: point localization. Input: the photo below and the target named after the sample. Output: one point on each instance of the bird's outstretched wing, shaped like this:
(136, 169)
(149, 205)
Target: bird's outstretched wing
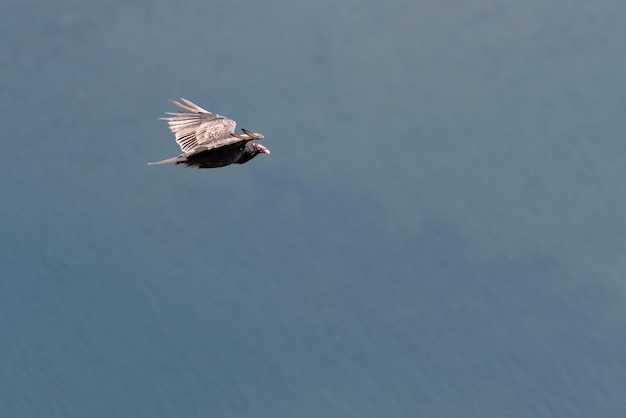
(199, 128)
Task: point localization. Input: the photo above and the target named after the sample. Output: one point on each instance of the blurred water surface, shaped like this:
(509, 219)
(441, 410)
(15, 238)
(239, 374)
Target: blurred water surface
(438, 232)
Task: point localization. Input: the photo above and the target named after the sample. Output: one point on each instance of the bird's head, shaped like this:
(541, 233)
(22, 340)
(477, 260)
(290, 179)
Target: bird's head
(251, 150)
(259, 149)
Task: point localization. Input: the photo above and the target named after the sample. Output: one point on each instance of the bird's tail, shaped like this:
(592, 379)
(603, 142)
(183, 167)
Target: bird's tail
(177, 160)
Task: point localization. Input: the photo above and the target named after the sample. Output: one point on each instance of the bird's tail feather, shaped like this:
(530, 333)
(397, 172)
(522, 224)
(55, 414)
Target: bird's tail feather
(176, 160)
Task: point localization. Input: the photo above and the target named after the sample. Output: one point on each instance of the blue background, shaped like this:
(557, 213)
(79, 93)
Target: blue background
(438, 232)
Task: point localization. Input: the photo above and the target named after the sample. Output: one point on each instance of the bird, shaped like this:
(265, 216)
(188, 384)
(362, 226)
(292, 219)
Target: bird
(208, 140)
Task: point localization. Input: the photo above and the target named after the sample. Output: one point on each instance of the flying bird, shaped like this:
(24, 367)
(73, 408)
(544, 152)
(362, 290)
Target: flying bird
(209, 140)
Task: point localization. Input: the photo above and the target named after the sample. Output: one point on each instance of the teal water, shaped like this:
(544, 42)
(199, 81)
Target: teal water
(438, 232)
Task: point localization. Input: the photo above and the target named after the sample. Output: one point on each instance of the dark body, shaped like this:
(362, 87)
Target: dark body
(221, 157)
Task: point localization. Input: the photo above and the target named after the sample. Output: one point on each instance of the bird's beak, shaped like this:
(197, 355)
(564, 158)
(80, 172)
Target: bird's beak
(262, 149)
(238, 136)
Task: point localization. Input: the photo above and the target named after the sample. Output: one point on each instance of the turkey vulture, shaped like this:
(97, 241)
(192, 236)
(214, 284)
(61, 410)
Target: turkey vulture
(209, 140)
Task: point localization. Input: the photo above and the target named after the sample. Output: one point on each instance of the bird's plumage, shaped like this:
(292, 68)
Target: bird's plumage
(208, 140)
